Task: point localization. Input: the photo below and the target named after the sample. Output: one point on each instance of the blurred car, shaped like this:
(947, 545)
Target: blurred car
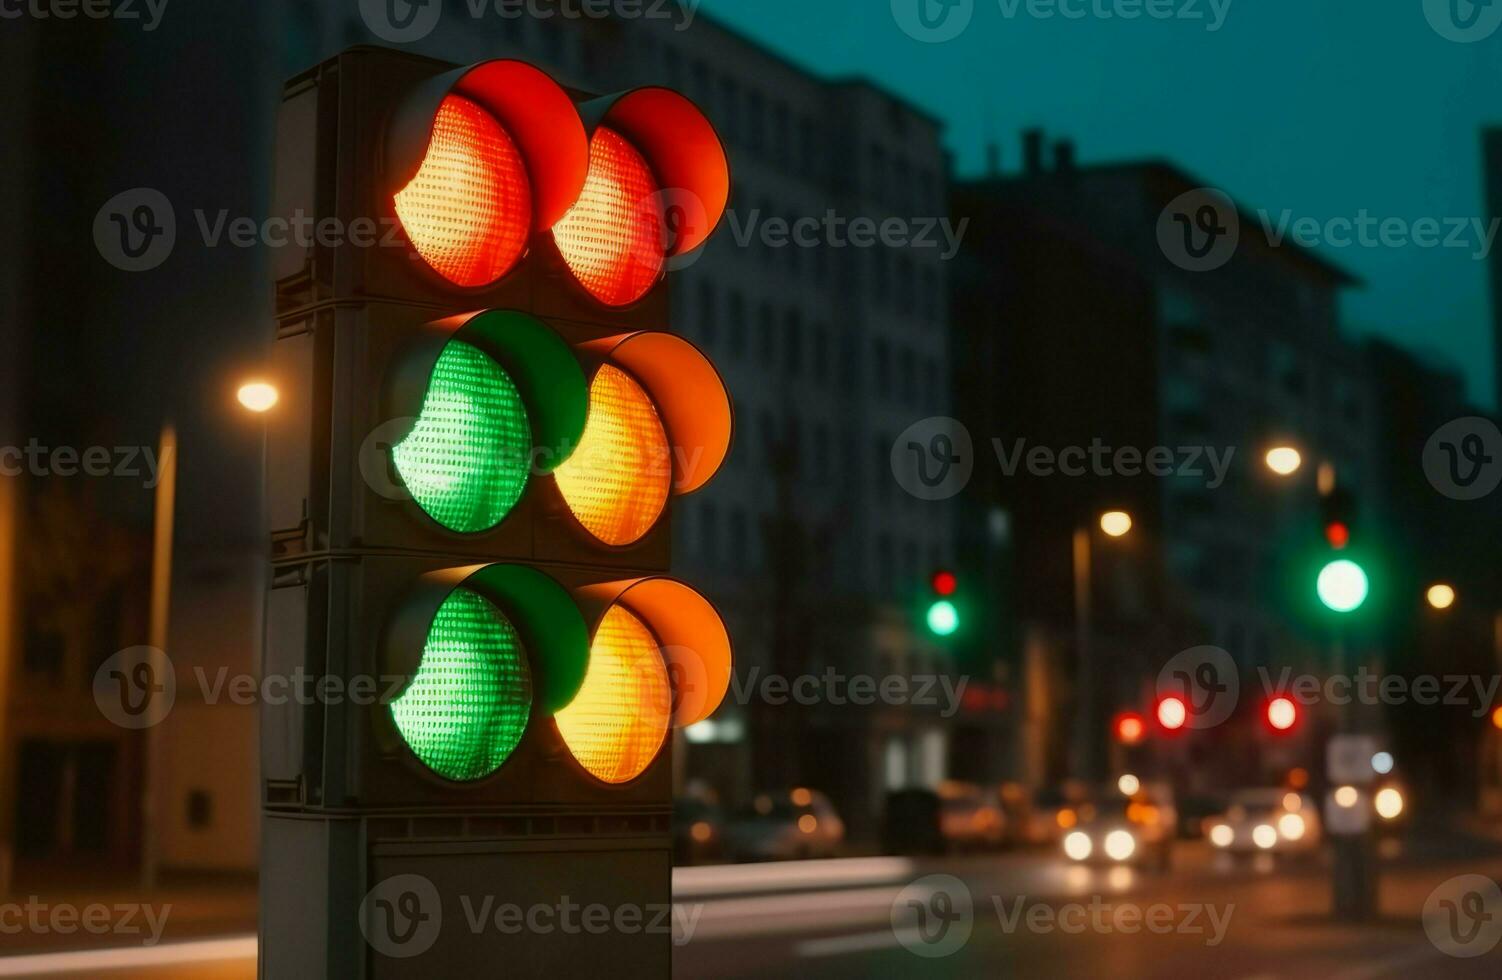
(1195, 813)
(910, 823)
(969, 818)
(784, 826)
(1054, 812)
(698, 831)
(1390, 808)
(1125, 828)
(1267, 821)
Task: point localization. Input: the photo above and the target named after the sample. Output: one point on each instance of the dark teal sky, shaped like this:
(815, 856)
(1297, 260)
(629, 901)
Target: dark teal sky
(1320, 108)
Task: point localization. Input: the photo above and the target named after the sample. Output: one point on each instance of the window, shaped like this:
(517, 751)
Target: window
(883, 467)
(878, 171)
(709, 533)
(782, 134)
(739, 543)
(792, 344)
(730, 110)
(766, 330)
(757, 137)
(737, 324)
(883, 367)
(707, 312)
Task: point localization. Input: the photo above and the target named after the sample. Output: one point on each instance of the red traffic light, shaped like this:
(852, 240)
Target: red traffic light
(1130, 728)
(1172, 713)
(481, 157)
(1282, 714)
(1338, 534)
(945, 583)
(657, 185)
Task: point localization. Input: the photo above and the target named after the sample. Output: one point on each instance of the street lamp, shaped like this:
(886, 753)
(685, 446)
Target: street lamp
(1116, 523)
(1284, 460)
(1441, 596)
(257, 396)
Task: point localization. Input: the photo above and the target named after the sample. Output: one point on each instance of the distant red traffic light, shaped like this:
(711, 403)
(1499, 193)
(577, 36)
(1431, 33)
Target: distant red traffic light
(1130, 728)
(945, 583)
(1338, 534)
(1172, 713)
(1282, 714)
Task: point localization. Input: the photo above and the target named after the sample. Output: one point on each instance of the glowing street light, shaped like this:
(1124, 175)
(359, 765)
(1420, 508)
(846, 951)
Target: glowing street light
(1116, 523)
(1284, 460)
(1441, 596)
(257, 396)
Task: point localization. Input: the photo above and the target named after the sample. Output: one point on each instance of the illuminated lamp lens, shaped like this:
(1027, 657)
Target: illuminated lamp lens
(619, 719)
(467, 706)
(468, 211)
(617, 480)
(465, 460)
(612, 238)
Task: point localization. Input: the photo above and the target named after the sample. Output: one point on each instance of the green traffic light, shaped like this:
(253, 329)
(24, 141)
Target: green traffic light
(943, 618)
(467, 706)
(465, 462)
(1342, 585)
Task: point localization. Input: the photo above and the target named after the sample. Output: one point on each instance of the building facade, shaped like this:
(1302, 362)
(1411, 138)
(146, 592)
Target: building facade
(1085, 336)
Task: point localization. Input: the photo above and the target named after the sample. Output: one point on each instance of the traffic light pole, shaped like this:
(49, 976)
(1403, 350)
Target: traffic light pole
(1087, 728)
(1353, 884)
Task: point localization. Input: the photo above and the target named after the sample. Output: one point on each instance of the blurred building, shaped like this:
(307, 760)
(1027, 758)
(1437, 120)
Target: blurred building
(1491, 176)
(1081, 332)
(98, 358)
(1426, 539)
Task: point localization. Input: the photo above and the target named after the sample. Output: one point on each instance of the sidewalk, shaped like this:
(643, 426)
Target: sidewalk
(67, 910)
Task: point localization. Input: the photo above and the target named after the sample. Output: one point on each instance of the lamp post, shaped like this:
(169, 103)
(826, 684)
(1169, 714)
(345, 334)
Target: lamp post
(1114, 524)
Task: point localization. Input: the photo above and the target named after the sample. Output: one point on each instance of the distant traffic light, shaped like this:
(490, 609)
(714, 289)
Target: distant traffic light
(1342, 586)
(1172, 713)
(1130, 728)
(943, 615)
(1282, 714)
(1338, 516)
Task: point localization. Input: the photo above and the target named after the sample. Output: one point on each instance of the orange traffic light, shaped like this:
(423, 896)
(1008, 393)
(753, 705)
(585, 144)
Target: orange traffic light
(1130, 728)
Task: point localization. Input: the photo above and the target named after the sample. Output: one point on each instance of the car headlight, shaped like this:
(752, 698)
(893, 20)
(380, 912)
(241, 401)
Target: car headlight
(1078, 845)
(1291, 826)
(1264, 836)
(1389, 803)
(1120, 845)
(1221, 835)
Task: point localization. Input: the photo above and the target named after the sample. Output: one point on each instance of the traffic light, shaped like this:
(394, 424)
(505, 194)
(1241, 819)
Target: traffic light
(1338, 516)
(1342, 586)
(484, 422)
(1282, 714)
(1130, 728)
(1172, 713)
(943, 615)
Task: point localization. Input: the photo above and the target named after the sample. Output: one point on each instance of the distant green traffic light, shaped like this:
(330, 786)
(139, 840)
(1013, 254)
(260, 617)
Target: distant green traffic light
(943, 618)
(1342, 586)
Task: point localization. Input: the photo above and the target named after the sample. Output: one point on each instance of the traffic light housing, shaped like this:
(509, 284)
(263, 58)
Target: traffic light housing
(470, 485)
(1338, 516)
(942, 616)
